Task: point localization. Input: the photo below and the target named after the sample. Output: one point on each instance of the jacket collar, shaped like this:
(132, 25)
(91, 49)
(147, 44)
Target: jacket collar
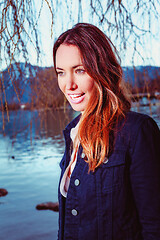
(72, 124)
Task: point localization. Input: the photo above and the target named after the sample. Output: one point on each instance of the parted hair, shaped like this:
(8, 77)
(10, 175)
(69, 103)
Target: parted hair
(109, 102)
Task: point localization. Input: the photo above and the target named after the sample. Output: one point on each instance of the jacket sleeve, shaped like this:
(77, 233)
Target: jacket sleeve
(145, 178)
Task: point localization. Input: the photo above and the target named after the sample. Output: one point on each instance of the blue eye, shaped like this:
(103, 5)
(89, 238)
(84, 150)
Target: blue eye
(80, 71)
(60, 73)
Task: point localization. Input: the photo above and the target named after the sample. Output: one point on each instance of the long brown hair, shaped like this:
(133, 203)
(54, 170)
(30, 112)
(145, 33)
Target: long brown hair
(109, 103)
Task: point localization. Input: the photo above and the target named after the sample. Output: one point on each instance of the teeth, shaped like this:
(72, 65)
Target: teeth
(75, 95)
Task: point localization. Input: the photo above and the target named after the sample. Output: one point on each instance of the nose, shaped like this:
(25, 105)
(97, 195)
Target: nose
(70, 82)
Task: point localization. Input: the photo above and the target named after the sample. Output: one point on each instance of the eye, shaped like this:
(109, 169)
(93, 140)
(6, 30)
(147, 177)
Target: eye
(80, 71)
(60, 73)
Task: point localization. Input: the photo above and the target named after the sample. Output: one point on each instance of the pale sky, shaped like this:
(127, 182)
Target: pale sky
(151, 48)
(66, 19)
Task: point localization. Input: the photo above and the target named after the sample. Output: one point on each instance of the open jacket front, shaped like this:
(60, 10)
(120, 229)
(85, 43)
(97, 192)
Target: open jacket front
(121, 199)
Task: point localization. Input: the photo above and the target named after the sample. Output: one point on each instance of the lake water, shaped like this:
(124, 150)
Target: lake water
(30, 150)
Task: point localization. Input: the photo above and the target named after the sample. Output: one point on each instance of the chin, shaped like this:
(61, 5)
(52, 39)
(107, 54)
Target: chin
(77, 108)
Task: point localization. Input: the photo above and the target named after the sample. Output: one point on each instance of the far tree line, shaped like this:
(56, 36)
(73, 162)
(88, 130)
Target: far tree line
(43, 91)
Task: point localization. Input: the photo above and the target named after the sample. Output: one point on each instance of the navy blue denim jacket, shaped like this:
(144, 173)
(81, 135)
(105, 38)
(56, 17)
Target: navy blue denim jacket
(121, 199)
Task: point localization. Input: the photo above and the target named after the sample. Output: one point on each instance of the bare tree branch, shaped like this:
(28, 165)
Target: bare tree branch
(125, 22)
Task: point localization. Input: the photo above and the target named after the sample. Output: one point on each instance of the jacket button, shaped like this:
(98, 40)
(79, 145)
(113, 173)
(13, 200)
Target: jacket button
(74, 212)
(83, 155)
(105, 160)
(76, 182)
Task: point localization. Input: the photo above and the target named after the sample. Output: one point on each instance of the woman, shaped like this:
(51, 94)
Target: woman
(110, 182)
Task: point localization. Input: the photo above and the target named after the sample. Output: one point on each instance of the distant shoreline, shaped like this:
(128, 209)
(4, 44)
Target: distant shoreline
(135, 97)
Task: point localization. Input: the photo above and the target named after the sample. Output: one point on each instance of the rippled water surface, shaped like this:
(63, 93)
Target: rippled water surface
(30, 150)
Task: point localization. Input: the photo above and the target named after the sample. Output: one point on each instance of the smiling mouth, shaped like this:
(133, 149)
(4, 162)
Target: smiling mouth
(76, 98)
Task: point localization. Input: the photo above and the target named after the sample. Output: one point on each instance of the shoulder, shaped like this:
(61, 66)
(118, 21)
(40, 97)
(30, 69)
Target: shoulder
(134, 121)
(136, 124)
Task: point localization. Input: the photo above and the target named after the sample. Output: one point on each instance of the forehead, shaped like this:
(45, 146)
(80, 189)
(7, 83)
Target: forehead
(68, 55)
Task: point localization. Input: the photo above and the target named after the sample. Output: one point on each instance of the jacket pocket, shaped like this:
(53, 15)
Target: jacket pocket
(113, 171)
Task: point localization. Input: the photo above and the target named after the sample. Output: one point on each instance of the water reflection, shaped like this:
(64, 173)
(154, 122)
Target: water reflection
(31, 149)
(48, 123)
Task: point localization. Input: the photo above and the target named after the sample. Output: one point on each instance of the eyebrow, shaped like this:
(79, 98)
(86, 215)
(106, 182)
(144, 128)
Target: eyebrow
(79, 65)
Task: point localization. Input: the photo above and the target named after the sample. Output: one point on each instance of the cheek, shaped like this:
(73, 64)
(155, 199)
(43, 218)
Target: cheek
(89, 85)
(61, 85)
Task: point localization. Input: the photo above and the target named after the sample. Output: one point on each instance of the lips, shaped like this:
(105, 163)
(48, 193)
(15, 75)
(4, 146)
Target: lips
(76, 98)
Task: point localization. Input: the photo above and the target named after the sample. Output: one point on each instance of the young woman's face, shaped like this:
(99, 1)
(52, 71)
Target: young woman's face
(73, 80)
